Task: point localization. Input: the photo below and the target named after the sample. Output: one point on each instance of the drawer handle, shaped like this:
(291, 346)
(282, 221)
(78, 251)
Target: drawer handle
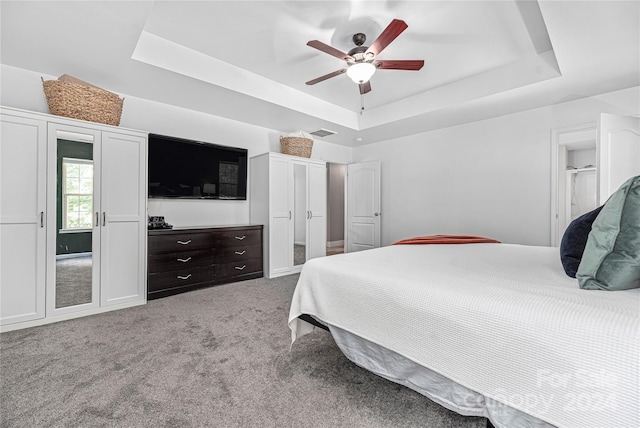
(240, 238)
(241, 252)
(184, 260)
(184, 277)
(184, 242)
(241, 268)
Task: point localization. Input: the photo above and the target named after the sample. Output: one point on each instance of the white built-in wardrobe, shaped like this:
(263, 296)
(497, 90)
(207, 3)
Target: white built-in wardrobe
(42, 277)
(288, 195)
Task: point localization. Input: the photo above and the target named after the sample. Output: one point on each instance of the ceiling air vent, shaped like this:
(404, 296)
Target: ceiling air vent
(322, 132)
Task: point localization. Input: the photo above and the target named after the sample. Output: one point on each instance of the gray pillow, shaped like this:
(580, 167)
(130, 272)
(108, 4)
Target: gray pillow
(611, 258)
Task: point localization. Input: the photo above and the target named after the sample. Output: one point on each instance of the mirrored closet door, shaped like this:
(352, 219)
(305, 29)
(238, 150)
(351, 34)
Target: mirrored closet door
(301, 214)
(309, 211)
(73, 268)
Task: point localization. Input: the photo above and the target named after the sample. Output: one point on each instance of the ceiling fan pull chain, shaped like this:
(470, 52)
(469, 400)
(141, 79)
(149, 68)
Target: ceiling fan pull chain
(361, 104)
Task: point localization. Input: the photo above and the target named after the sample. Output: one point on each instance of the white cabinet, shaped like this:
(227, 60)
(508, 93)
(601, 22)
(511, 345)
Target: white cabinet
(74, 221)
(289, 196)
(22, 210)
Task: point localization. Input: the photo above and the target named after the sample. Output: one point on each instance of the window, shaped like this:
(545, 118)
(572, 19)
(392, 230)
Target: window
(77, 194)
(229, 173)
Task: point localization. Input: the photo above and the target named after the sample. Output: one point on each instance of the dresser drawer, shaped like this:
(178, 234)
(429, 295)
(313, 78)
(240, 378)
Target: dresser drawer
(181, 260)
(167, 262)
(180, 278)
(174, 243)
(237, 254)
(226, 271)
(238, 237)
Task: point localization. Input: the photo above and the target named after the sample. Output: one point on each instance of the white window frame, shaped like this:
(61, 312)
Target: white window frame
(66, 160)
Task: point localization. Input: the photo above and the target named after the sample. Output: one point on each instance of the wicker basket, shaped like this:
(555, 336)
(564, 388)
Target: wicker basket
(77, 101)
(296, 146)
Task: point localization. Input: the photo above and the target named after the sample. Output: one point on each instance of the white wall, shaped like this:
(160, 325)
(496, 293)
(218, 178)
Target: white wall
(491, 177)
(581, 158)
(22, 89)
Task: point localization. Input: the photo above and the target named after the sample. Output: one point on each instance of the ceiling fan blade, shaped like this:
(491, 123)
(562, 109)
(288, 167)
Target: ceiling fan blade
(328, 49)
(389, 34)
(365, 87)
(326, 76)
(399, 64)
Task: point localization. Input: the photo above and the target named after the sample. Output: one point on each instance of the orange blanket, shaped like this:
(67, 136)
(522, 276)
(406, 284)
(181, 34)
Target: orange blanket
(447, 239)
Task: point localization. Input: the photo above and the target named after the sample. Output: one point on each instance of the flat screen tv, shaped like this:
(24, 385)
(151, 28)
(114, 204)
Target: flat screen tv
(180, 168)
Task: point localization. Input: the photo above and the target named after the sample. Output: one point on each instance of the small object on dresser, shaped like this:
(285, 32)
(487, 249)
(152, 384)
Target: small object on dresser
(157, 222)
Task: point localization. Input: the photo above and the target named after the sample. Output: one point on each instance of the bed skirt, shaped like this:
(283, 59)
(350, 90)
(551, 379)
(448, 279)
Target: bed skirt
(439, 389)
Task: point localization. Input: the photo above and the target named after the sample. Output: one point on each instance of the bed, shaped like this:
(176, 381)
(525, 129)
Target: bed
(493, 330)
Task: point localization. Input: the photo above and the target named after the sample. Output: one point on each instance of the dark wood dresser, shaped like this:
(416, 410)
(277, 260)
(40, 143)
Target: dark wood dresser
(181, 260)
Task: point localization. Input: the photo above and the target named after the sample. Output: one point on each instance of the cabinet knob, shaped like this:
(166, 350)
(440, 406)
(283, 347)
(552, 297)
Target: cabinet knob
(241, 252)
(241, 268)
(184, 260)
(184, 242)
(184, 277)
(240, 238)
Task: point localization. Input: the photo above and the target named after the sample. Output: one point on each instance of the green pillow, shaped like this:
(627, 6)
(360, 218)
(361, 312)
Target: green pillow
(611, 258)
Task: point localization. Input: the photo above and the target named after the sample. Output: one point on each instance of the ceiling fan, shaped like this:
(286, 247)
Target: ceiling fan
(361, 60)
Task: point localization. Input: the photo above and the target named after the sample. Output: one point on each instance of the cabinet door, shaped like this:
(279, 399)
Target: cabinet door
(123, 218)
(22, 219)
(280, 252)
(73, 232)
(317, 207)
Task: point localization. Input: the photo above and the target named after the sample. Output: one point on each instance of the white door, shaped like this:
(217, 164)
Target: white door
(123, 218)
(300, 212)
(363, 206)
(618, 151)
(317, 210)
(73, 262)
(280, 221)
(22, 219)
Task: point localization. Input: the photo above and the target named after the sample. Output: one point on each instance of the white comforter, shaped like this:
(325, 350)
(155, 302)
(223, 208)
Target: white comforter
(503, 320)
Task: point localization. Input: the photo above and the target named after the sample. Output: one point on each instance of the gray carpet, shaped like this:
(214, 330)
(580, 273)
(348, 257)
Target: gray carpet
(215, 357)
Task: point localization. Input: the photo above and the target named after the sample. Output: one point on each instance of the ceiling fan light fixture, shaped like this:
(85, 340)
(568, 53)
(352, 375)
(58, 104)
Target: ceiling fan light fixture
(361, 72)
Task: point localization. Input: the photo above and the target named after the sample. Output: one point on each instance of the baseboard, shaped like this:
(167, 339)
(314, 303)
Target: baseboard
(335, 243)
(295, 269)
(69, 316)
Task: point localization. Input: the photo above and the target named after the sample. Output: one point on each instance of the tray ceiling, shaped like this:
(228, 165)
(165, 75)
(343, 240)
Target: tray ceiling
(248, 61)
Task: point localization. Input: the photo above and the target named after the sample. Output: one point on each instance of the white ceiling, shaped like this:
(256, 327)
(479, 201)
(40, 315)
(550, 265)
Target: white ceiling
(248, 61)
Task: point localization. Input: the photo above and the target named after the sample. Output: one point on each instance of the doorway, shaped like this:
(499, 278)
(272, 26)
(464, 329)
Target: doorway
(574, 176)
(353, 207)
